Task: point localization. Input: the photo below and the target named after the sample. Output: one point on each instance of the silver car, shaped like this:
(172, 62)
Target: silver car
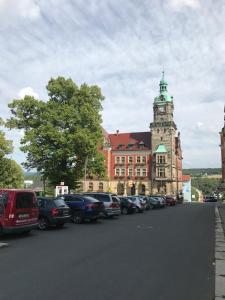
(140, 205)
(111, 203)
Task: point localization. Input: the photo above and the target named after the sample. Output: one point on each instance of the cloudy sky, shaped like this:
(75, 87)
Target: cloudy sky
(122, 46)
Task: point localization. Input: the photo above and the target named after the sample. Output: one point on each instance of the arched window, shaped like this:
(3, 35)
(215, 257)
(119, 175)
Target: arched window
(90, 187)
(100, 186)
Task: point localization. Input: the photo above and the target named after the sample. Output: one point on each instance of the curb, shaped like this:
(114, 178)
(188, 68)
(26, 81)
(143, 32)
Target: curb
(3, 245)
(219, 258)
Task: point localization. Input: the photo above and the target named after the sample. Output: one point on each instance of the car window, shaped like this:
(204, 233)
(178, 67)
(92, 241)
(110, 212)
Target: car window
(115, 199)
(59, 202)
(4, 199)
(101, 197)
(90, 199)
(25, 200)
(40, 203)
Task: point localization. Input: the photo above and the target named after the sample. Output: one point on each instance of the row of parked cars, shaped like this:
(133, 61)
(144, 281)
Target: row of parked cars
(21, 211)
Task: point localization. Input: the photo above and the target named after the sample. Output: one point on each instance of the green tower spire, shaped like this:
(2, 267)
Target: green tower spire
(163, 93)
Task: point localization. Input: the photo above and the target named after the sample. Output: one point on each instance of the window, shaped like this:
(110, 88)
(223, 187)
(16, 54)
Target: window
(130, 172)
(25, 200)
(130, 159)
(138, 172)
(161, 159)
(138, 159)
(100, 186)
(117, 159)
(90, 186)
(144, 172)
(123, 172)
(130, 146)
(144, 159)
(117, 172)
(123, 159)
(161, 173)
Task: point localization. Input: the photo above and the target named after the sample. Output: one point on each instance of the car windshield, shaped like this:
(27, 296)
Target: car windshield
(101, 197)
(90, 199)
(59, 202)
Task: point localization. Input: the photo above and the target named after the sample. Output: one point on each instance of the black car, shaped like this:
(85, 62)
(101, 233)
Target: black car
(52, 212)
(126, 206)
(83, 207)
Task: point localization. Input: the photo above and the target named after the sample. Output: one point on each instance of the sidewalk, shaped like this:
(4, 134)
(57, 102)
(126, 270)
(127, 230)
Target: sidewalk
(221, 207)
(220, 252)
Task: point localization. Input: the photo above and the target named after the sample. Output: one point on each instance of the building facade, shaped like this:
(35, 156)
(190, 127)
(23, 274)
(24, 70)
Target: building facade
(222, 145)
(144, 162)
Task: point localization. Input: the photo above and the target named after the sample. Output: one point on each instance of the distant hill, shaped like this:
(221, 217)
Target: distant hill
(202, 172)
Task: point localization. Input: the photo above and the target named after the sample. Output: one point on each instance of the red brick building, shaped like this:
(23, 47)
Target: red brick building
(144, 162)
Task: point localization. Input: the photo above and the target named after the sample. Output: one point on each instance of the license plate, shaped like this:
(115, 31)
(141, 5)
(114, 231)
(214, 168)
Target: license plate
(23, 216)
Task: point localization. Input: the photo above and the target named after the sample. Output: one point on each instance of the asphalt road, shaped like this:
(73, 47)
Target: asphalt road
(161, 254)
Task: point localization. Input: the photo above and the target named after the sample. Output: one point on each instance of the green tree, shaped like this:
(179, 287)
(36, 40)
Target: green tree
(5, 145)
(61, 133)
(11, 174)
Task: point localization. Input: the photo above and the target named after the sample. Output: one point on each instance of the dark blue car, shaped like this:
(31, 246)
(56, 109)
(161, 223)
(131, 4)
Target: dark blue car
(83, 207)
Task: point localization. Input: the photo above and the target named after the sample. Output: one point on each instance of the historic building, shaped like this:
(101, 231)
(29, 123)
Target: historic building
(144, 162)
(222, 145)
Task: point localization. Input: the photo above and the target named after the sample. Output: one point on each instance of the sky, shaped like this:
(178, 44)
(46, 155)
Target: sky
(122, 46)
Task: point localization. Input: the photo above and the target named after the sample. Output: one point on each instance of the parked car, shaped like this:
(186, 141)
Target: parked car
(18, 211)
(52, 212)
(154, 202)
(210, 199)
(111, 203)
(170, 201)
(140, 205)
(161, 199)
(146, 202)
(83, 207)
(126, 206)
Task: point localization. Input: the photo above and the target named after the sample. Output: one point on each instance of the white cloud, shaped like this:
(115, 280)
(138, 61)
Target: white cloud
(179, 4)
(27, 91)
(12, 9)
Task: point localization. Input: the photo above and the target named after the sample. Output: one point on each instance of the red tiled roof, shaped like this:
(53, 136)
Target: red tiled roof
(121, 141)
(186, 177)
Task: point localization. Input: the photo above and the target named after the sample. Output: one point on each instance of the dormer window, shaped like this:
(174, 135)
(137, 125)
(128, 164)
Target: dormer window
(129, 146)
(141, 145)
(120, 146)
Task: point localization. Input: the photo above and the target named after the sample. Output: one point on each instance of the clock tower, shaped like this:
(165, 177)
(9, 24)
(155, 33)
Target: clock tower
(164, 143)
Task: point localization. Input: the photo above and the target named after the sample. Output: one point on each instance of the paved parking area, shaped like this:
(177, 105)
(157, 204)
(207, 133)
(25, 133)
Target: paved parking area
(162, 254)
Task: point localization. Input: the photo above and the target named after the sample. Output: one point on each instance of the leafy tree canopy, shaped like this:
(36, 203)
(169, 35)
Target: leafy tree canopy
(11, 174)
(5, 145)
(61, 133)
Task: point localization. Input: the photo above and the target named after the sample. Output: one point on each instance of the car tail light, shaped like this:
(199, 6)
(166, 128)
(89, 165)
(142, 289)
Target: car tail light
(89, 205)
(55, 212)
(113, 205)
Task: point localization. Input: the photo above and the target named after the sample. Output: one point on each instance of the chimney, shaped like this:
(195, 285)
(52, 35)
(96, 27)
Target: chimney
(117, 132)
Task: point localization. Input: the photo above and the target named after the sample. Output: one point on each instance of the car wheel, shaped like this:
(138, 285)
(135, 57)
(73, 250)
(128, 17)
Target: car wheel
(77, 218)
(42, 224)
(151, 206)
(124, 211)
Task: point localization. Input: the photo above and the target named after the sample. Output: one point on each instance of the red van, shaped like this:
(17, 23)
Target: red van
(18, 211)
